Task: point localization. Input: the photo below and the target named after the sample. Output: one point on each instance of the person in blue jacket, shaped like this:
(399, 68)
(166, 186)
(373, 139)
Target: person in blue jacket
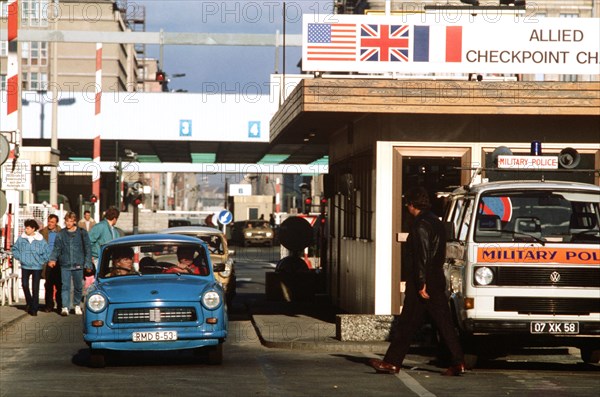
(73, 249)
(104, 231)
(32, 251)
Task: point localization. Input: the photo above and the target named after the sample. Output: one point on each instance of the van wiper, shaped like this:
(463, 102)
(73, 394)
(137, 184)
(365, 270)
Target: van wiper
(516, 234)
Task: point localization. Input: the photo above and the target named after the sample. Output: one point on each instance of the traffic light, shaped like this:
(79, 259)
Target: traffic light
(307, 205)
(135, 194)
(161, 77)
(93, 199)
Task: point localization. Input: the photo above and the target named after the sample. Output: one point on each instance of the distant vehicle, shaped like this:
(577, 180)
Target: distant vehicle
(156, 306)
(254, 231)
(219, 253)
(179, 222)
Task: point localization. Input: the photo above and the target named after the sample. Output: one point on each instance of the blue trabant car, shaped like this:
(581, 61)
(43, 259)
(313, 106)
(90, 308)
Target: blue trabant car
(155, 292)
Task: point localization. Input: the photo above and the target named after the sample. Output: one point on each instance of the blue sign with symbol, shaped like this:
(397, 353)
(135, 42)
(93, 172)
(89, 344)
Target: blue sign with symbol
(254, 129)
(225, 217)
(185, 127)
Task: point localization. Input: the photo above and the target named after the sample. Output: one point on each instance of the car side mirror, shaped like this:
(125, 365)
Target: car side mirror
(218, 267)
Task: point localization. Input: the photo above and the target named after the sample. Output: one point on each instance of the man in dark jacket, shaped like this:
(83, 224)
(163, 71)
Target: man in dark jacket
(425, 289)
(53, 277)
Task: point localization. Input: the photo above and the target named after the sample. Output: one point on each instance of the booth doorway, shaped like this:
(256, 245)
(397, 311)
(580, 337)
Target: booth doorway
(437, 169)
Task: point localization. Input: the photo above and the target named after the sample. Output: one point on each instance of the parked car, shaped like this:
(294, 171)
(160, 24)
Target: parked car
(155, 306)
(219, 253)
(253, 231)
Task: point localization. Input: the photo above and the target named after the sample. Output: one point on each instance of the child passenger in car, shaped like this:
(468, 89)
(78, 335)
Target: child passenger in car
(185, 262)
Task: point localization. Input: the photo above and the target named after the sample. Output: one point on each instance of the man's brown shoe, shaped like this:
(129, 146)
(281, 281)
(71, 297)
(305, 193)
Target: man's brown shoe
(383, 367)
(454, 370)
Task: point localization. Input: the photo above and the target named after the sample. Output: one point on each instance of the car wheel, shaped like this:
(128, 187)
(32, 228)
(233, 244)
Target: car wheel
(215, 354)
(97, 358)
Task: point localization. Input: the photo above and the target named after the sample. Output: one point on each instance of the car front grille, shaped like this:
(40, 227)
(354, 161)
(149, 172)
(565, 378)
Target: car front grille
(548, 277)
(155, 315)
(552, 306)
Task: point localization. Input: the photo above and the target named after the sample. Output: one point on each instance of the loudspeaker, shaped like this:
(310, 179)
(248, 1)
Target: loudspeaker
(500, 151)
(569, 158)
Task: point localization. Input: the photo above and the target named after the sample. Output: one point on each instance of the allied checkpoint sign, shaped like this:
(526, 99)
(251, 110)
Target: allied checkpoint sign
(431, 43)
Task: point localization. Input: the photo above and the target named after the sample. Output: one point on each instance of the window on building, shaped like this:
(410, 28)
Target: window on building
(34, 81)
(38, 81)
(3, 48)
(34, 12)
(2, 82)
(34, 53)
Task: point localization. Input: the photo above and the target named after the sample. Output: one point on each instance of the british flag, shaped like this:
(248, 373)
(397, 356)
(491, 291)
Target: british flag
(384, 43)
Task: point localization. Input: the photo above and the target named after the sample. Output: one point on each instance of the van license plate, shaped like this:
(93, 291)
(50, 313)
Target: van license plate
(154, 336)
(554, 327)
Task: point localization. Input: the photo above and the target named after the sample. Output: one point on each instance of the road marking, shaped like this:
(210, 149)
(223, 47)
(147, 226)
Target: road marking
(409, 381)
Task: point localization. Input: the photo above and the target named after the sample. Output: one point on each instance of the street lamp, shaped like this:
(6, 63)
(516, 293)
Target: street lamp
(43, 101)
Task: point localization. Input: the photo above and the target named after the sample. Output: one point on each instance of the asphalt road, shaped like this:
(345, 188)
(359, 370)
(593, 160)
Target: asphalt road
(45, 355)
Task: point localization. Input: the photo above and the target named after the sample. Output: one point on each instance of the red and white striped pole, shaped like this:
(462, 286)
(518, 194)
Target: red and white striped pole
(98, 102)
(13, 91)
(277, 195)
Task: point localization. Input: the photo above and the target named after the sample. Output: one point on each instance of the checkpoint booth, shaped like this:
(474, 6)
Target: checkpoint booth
(386, 132)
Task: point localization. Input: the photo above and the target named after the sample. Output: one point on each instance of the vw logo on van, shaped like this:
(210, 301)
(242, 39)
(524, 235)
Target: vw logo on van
(555, 277)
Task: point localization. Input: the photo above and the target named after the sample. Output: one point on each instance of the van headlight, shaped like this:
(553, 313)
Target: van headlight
(269, 234)
(484, 275)
(248, 234)
(211, 300)
(96, 302)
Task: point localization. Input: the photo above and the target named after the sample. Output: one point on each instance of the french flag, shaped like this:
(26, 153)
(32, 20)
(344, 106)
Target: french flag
(437, 44)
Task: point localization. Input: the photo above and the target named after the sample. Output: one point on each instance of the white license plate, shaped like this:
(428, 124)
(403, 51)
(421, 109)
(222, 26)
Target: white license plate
(554, 327)
(154, 336)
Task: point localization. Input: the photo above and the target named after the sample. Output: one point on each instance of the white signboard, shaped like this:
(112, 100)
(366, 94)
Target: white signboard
(425, 43)
(238, 189)
(17, 178)
(528, 162)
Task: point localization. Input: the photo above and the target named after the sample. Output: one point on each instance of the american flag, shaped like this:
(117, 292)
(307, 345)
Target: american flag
(384, 43)
(331, 42)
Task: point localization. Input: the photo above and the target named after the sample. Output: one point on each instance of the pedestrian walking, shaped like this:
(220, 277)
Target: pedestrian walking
(32, 251)
(73, 250)
(425, 289)
(87, 222)
(104, 231)
(53, 285)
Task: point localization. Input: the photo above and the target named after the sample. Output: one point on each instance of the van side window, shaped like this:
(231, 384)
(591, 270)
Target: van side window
(463, 219)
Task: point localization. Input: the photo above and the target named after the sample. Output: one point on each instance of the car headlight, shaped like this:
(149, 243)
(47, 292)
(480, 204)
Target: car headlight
(96, 302)
(248, 234)
(211, 300)
(269, 234)
(228, 266)
(484, 275)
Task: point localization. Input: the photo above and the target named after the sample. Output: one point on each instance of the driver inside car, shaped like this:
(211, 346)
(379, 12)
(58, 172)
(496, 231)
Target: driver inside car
(122, 262)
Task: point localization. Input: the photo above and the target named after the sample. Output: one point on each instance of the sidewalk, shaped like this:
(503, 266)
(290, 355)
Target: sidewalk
(284, 325)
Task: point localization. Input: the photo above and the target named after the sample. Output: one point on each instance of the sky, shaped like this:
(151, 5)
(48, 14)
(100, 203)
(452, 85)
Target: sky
(226, 68)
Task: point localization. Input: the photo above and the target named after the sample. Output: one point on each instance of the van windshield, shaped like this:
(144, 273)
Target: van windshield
(538, 215)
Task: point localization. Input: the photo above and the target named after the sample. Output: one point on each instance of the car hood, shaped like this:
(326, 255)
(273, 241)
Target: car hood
(164, 288)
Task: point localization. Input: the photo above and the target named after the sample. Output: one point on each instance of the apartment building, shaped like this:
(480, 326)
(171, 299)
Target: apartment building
(75, 63)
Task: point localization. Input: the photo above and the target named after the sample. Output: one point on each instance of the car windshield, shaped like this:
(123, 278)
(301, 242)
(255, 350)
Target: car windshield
(542, 216)
(214, 243)
(258, 224)
(152, 259)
